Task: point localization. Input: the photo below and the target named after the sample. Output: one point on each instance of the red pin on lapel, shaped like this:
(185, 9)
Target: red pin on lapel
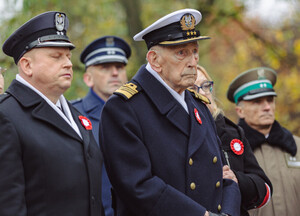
(237, 146)
(197, 116)
(86, 122)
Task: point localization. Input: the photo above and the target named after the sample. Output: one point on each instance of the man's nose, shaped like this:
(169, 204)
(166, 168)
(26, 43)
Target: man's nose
(114, 71)
(68, 62)
(266, 105)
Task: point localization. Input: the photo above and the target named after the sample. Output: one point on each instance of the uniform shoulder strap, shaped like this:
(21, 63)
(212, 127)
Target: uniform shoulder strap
(128, 90)
(199, 96)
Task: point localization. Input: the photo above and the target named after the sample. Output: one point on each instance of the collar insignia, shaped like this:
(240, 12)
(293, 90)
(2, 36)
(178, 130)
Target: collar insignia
(291, 161)
(187, 22)
(59, 21)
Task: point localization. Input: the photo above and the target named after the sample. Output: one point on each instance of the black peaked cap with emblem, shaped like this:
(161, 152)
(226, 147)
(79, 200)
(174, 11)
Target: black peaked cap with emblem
(173, 29)
(48, 29)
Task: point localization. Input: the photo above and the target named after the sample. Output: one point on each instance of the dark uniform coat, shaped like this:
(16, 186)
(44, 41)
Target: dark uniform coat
(91, 106)
(250, 175)
(160, 160)
(46, 169)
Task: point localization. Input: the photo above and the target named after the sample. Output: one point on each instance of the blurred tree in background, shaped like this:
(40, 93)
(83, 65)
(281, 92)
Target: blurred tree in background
(238, 42)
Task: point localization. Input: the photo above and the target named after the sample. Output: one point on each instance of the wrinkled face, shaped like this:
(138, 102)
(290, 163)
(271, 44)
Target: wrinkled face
(179, 65)
(51, 69)
(105, 78)
(258, 113)
(1, 83)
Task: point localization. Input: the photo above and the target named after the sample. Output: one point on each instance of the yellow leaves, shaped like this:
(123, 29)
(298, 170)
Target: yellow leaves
(297, 47)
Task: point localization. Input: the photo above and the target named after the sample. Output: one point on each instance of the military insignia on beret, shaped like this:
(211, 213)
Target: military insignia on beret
(127, 90)
(85, 122)
(237, 146)
(187, 22)
(59, 21)
(199, 96)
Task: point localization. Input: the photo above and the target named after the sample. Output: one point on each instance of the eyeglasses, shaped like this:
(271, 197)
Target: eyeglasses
(207, 87)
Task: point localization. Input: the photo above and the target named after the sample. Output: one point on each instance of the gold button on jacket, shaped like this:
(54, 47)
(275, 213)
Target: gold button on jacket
(193, 186)
(215, 159)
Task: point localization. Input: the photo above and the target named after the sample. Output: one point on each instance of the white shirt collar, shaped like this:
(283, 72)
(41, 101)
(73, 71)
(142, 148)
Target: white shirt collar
(178, 97)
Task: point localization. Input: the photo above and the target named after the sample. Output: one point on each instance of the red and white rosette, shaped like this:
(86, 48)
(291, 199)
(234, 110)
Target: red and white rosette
(85, 122)
(237, 146)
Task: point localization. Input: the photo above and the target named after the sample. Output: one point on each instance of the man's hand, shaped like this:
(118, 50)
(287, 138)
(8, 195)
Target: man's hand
(229, 174)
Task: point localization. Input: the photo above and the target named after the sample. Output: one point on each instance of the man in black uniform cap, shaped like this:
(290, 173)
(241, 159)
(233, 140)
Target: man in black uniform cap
(49, 161)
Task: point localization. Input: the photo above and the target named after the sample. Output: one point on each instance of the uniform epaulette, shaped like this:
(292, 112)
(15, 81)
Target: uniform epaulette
(128, 90)
(199, 96)
(3, 97)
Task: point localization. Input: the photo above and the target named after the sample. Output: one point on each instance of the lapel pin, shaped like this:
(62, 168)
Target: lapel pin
(237, 146)
(197, 116)
(86, 122)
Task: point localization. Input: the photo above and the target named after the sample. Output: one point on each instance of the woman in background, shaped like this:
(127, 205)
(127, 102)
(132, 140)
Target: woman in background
(242, 166)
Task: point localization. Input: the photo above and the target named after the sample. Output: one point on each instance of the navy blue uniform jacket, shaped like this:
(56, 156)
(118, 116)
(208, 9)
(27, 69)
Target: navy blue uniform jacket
(252, 179)
(45, 167)
(91, 106)
(160, 160)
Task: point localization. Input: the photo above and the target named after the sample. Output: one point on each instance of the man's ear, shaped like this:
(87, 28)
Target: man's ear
(240, 111)
(88, 79)
(153, 58)
(25, 64)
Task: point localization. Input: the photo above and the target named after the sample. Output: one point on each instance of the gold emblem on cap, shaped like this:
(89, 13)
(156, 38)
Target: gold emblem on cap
(187, 22)
(59, 21)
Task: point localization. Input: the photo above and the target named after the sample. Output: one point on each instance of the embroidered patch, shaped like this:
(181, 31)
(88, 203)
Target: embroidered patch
(86, 122)
(237, 146)
(291, 161)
